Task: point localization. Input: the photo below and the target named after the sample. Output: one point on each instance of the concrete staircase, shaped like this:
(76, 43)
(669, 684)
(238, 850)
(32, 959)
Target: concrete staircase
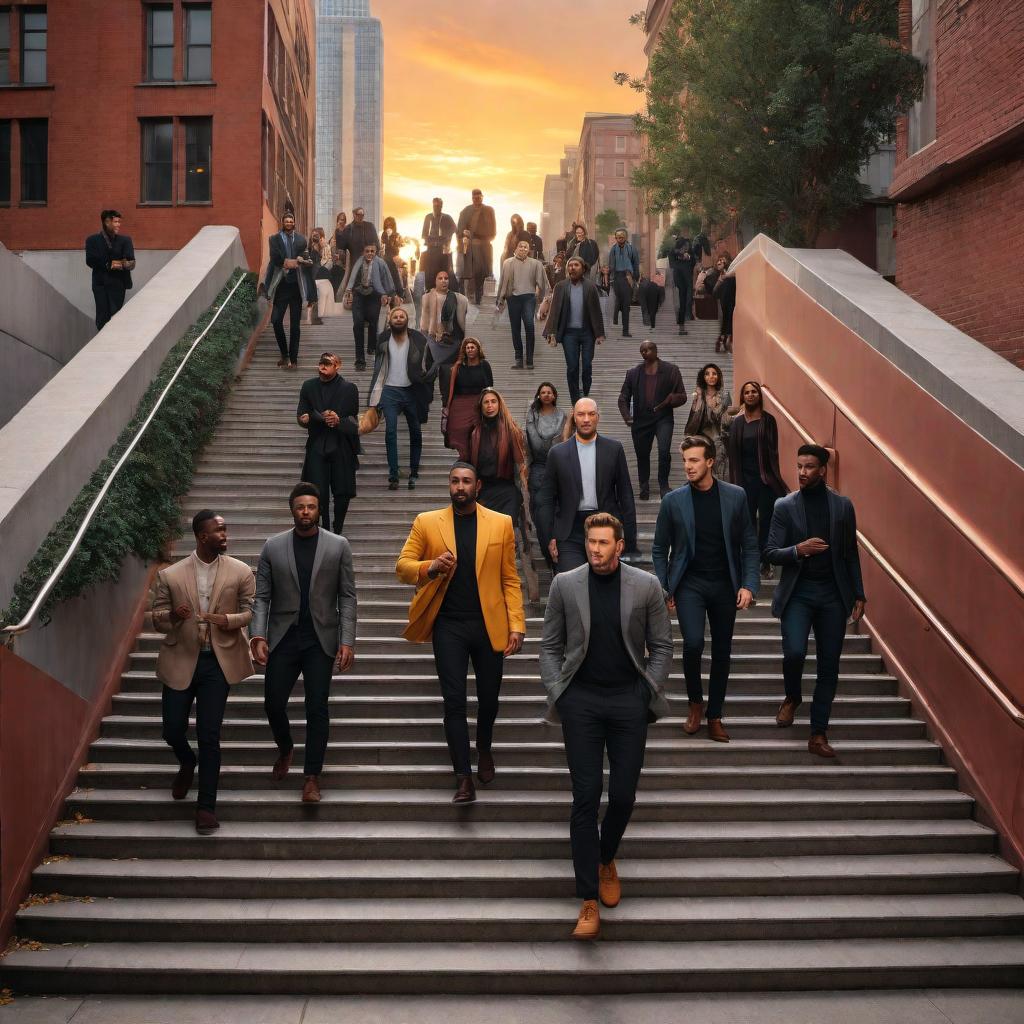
(748, 866)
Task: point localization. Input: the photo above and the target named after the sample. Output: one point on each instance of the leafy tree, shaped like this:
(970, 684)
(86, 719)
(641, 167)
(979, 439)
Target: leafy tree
(607, 222)
(684, 222)
(771, 107)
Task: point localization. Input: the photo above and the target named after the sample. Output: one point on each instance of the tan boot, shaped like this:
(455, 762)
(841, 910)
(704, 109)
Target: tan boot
(694, 718)
(609, 888)
(311, 790)
(818, 744)
(588, 926)
(787, 713)
(716, 731)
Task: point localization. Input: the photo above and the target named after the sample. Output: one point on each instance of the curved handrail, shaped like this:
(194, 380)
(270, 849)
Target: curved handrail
(994, 689)
(26, 622)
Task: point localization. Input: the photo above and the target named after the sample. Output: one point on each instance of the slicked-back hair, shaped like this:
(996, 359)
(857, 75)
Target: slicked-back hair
(204, 515)
(821, 454)
(459, 464)
(302, 489)
(604, 520)
(699, 441)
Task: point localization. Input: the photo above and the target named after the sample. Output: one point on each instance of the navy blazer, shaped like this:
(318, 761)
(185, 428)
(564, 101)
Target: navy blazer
(789, 528)
(98, 255)
(674, 538)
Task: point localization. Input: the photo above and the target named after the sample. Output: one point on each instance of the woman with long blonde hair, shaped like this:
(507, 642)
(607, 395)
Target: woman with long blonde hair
(497, 448)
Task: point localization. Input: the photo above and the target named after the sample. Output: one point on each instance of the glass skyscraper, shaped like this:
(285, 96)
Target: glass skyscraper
(349, 102)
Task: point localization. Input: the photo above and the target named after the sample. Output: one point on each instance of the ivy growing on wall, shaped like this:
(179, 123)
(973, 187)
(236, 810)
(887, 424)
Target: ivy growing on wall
(140, 512)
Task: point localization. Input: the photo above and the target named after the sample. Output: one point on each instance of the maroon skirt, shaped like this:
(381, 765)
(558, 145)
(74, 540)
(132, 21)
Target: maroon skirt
(462, 418)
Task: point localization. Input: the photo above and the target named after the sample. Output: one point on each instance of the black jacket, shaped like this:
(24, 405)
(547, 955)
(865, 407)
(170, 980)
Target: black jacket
(669, 392)
(558, 316)
(343, 397)
(420, 381)
(562, 489)
(98, 255)
(356, 237)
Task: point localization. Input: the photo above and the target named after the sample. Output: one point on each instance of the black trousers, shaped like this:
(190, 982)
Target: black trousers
(297, 653)
(328, 473)
(287, 297)
(643, 437)
(651, 296)
(595, 719)
(365, 321)
(109, 299)
(209, 691)
(623, 296)
(712, 597)
(761, 502)
(572, 552)
(683, 280)
(456, 643)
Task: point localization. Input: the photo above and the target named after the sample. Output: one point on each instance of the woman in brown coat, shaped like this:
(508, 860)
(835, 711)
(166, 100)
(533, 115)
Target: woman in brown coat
(461, 383)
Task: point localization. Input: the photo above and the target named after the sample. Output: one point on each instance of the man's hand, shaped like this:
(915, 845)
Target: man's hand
(331, 418)
(670, 603)
(215, 618)
(443, 565)
(291, 264)
(344, 658)
(553, 549)
(629, 280)
(515, 644)
(600, 340)
(858, 610)
(811, 546)
(181, 613)
(304, 419)
(744, 598)
(500, 306)
(260, 650)
(385, 299)
(116, 265)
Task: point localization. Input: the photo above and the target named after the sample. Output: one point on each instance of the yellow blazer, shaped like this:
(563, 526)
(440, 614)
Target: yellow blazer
(501, 597)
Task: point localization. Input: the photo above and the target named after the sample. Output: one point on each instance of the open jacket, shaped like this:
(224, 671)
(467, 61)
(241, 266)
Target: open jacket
(420, 382)
(558, 315)
(275, 268)
(669, 393)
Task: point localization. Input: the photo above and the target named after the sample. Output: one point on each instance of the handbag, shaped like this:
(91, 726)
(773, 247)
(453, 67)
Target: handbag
(369, 420)
(448, 405)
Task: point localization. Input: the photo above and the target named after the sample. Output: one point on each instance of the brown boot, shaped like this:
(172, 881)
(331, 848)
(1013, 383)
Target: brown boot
(485, 766)
(716, 731)
(311, 790)
(787, 713)
(818, 744)
(183, 781)
(694, 718)
(588, 926)
(609, 888)
(282, 765)
(206, 823)
(466, 791)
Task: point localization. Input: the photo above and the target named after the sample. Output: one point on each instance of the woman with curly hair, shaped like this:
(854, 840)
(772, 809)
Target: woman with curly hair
(710, 414)
(498, 450)
(461, 382)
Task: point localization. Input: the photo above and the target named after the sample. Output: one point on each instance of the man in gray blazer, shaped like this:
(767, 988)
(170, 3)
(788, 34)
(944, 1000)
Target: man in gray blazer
(605, 658)
(706, 557)
(304, 620)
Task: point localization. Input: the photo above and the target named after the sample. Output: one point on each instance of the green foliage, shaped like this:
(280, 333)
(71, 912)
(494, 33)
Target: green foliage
(684, 223)
(140, 512)
(771, 107)
(607, 222)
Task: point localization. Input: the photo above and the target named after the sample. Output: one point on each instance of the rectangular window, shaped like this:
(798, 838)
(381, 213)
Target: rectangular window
(160, 43)
(5, 162)
(620, 168)
(5, 45)
(34, 148)
(620, 143)
(33, 45)
(198, 43)
(157, 161)
(921, 119)
(198, 159)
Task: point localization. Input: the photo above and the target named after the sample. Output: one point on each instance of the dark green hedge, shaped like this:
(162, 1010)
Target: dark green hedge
(140, 512)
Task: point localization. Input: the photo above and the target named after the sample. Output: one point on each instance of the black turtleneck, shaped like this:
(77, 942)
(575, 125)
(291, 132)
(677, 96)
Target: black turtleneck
(815, 499)
(487, 457)
(462, 598)
(607, 662)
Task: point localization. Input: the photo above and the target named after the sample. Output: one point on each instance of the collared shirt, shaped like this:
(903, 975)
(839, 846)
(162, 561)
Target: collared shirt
(622, 259)
(522, 277)
(586, 451)
(398, 364)
(576, 304)
(206, 575)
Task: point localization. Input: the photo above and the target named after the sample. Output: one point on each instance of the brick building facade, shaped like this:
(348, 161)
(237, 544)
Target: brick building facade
(179, 114)
(959, 178)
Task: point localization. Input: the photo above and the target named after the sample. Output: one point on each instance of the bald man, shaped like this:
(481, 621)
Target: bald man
(586, 474)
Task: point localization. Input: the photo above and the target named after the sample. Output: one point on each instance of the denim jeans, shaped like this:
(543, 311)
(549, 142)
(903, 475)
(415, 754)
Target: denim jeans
(578, 346)
(521, 311)
(394, 401)
(814, 605)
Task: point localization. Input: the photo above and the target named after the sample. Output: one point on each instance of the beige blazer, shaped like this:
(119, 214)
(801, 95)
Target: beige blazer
(430, 315)
(233, 591)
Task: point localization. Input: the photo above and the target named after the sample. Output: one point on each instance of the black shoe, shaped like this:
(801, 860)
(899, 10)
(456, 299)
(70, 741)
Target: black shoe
(626, 334)
(517, 365)
(645, 493)
(683, 330)
(393, 483)
(529, 366)
(413, 477)
(360, 364)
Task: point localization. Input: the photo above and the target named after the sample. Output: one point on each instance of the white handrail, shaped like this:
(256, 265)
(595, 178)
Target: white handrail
(25, 624)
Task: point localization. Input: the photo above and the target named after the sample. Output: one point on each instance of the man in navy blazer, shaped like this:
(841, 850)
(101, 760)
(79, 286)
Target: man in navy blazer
(112, 259)
(813, 537)
(706, 558)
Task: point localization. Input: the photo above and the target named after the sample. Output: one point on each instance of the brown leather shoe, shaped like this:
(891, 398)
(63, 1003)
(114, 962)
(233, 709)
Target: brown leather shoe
(183, 781)
(206, 823)
(609, 888)
(282, 764)
(311, 790)
(818, 744)
(787, 713)
(466, 791)
(694, 718)
(588, 926)
(485, 766)
(716, 731)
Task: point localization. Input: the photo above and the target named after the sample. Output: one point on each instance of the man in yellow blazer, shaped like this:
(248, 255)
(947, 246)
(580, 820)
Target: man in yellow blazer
(203, 604)
(462, 560)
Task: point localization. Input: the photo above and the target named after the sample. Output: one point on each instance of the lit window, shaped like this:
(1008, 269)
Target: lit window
(198, 159)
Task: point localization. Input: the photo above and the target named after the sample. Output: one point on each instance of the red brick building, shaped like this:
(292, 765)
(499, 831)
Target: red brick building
(177, 113)
(959, 177)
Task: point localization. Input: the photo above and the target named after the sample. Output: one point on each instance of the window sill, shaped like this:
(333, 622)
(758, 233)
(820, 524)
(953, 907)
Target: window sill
(196, 202)
(161, 204)
(30, 204)
(27, 85)
(174, 85)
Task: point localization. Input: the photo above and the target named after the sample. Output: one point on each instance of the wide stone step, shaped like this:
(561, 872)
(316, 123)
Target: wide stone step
(514, 968)
(312, 838)
(489, 879)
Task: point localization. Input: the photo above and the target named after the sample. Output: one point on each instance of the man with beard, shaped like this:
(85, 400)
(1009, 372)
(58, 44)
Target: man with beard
(438, 229)
(576, 323)
(477, 229)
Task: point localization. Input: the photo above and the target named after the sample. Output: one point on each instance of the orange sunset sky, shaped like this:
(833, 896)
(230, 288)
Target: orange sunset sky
(488, 94)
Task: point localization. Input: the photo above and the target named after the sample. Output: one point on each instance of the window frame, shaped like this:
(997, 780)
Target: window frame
(618, 139)
(188, 123)
(151, 46)
(23, 167)
(146, 123)
(6, 128)
(187, 10)
(24, 32)
(5, 26)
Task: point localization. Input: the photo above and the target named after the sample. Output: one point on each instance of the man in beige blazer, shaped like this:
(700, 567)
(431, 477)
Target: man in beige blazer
(203, 604)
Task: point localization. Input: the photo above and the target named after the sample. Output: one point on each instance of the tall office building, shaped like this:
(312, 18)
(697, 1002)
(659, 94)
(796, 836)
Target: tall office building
(349, 102)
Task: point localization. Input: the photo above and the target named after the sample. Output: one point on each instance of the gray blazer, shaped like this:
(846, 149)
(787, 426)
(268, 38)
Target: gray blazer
(332, 592)
(645, 629)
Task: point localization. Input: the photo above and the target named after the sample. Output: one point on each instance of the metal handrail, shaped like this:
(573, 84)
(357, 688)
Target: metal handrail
(25, 624)
(995, 690)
